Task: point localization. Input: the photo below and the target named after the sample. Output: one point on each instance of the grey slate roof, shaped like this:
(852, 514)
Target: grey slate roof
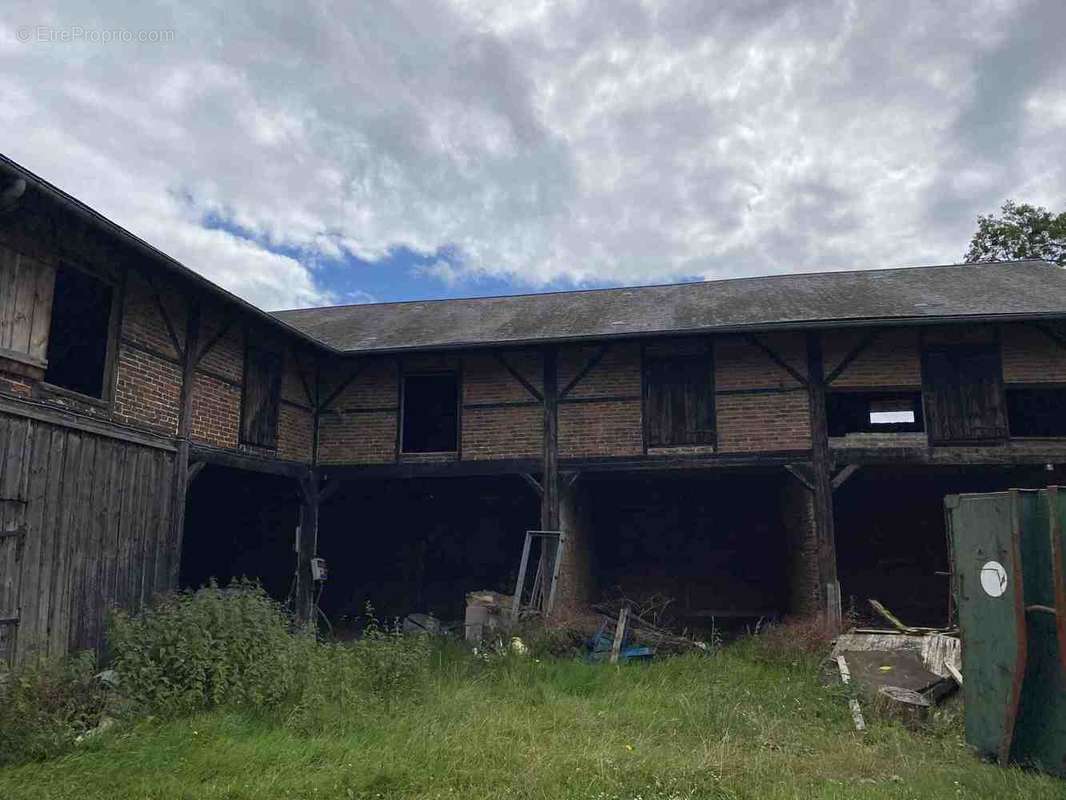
(1001, 290)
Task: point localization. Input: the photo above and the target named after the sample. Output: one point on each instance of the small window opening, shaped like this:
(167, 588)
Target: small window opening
(1037, 412)
(869, 412)
(431, 413)
(80, 332)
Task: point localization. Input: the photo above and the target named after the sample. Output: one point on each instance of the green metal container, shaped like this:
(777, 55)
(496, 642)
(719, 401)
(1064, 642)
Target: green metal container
(1010, 599)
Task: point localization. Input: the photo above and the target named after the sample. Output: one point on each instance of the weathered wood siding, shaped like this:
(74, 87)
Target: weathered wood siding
(88, 522)
(25, 307)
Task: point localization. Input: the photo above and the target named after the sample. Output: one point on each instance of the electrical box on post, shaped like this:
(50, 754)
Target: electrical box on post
(319, 572)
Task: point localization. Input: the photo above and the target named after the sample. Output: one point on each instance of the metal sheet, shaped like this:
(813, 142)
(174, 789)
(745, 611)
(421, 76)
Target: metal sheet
(985, 532)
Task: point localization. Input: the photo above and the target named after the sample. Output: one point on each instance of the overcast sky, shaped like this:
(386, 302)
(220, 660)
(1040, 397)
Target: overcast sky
(344, 152)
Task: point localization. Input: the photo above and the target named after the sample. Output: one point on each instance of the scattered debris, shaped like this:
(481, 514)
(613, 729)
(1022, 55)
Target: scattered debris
(853, 703)
(894, 621)
(619, 633)
(421, 623)
(103, 725)
(487, 612)
(549, 558)
(908, 670)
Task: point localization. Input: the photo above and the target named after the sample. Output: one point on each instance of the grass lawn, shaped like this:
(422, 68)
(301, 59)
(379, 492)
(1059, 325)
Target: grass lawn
(727, 726)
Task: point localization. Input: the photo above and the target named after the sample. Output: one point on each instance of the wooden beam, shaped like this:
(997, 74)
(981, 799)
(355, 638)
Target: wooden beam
(570, 478)
(310, 395)
(803, 473)
(988, 455)
(249, 463)
(69, 419)
(773, 356)
(549, 507)
(195, 468)
(852, 354)
(518, 376)
(842, 476)
(533, 482)
(1052, 334)
(220, 334)
(339, 389)
(823, 490)
(590, 365)
(327, 490)
(591, 466)
(307, 547)
(180, 482)
(179, 348)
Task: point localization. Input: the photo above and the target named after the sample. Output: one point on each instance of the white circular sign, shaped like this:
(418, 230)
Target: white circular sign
(993, 579)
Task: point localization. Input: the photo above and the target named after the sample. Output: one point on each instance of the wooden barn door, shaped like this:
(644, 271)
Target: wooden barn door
(963, 386)
(14, 449)
(84, 527)
(679, 400)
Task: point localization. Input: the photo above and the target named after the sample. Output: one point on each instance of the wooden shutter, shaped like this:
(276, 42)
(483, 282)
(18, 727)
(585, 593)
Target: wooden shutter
(262, 395)
(25, 307)
(679, 401)
(963, 388)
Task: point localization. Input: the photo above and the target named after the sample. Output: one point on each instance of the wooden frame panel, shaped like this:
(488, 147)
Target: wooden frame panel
(700, 404)
(261, 385)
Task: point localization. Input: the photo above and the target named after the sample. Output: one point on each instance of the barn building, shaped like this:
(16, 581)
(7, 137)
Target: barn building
(747, 448)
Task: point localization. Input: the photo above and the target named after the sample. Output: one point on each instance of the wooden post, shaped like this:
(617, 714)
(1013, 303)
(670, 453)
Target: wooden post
(822, 480)
(307, 542)
(549, 504)
(180, 482)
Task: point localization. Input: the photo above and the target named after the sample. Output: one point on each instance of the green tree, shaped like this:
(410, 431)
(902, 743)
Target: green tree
(1021, 231)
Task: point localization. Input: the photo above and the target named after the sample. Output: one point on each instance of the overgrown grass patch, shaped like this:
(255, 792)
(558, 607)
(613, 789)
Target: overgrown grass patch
(732, 725)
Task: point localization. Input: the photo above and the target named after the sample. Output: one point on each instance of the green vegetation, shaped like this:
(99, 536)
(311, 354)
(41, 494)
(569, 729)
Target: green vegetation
(399, 717)
(1020, 231)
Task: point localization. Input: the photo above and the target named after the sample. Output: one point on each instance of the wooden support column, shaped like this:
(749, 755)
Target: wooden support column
(307, 542)
(549, 504)
(189, 356)
(822, 480)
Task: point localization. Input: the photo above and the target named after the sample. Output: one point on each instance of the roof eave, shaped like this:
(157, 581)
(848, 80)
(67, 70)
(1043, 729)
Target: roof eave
(791, 325)
(97, 219)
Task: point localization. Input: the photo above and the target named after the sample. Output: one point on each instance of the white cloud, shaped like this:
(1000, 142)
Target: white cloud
(606, 140)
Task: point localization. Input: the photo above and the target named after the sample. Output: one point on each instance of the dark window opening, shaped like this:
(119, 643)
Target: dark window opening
(262, 395)
(874, 412)
(1037, 412)
(431, 413)
(679, 400)
(963, 388)
(80, 332)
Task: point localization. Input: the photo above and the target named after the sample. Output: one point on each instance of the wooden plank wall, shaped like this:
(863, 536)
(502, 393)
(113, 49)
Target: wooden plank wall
(26, 289)
(94, 517)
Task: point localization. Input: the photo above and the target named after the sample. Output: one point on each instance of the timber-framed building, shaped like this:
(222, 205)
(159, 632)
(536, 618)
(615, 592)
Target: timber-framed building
(747, 448)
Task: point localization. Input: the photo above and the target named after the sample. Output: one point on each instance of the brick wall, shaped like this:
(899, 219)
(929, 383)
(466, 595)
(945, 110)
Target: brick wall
(1031, 356)
(500, 418)
(360, 425)
(601, 417)
(216, 411)
(760, 406)
(147, 384)
(147, 390)
(797, 516)
(892, 359)
(763, 422)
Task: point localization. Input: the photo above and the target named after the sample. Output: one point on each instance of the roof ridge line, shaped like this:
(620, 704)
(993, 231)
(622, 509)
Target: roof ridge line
(591, 290)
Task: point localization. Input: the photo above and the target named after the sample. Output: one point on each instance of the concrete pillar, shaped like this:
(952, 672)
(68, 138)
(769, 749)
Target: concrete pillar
(801, 534)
